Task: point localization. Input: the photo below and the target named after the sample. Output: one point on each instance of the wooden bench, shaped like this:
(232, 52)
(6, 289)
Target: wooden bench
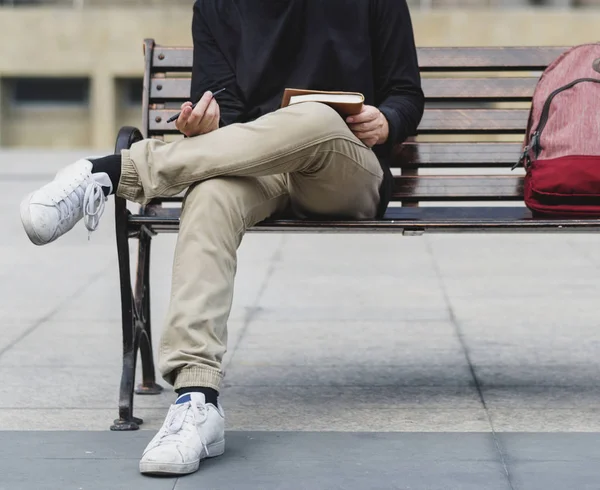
(448, 179)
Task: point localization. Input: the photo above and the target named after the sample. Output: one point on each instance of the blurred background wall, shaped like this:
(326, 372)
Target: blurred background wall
(71, 70)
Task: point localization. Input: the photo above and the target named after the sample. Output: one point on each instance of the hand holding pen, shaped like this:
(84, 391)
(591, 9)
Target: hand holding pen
(176, 116)
(200, 118)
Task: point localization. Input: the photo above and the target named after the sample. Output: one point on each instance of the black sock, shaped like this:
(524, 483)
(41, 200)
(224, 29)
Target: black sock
(210, 394)
(110, 165)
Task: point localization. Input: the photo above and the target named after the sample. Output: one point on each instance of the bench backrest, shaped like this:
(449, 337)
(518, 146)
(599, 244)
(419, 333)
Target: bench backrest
(476, 114)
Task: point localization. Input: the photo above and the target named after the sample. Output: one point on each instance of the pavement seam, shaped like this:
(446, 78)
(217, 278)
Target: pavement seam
(48, 316)
(465, 348)
(253, 310)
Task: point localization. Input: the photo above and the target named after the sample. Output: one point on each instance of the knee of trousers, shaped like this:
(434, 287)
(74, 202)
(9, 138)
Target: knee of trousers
(324, 118)
(216, 200)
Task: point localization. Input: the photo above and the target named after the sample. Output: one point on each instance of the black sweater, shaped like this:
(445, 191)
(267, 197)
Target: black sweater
(257, 48)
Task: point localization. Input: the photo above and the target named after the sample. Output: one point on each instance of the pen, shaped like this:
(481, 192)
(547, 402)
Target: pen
(176, 116)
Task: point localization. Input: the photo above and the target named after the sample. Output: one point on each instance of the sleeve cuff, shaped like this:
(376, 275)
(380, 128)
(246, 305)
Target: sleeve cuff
(394, 123)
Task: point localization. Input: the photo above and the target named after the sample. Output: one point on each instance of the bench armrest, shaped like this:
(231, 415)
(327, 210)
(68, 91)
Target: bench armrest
(128, 135)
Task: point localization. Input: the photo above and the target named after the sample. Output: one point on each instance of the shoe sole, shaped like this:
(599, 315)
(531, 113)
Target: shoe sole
(26, 220)
(166, 469)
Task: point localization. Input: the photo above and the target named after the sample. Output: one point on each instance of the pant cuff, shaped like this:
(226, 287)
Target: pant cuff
(130, 185)
(198, 376)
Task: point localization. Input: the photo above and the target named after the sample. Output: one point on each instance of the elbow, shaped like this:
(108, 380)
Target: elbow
(413, 113)
(419, 102)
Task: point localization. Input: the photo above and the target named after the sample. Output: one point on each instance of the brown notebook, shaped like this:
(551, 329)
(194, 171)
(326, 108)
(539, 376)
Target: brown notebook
(346, 103)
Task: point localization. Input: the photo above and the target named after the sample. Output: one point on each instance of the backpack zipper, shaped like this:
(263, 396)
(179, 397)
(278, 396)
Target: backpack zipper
(536, 145)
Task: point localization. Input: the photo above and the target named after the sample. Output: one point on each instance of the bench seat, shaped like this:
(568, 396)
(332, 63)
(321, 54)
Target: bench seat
(410, 221)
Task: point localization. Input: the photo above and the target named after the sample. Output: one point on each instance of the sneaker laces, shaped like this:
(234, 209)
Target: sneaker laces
(91, 197)
(175, 428)
(65, 205)
(94, 202)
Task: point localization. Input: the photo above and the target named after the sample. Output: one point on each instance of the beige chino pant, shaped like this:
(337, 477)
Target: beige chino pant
(303, 157)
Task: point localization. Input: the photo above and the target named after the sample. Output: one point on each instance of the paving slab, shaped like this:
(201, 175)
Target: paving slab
(102, 302)
(524, 286)
(59, 387)
(540, 397)
(545, 447)
(530, 373)
(453, 373)
(349, 342)
(254, 399)
(554, 475)
(579, 419)
(539, 311)
(588, 246)
(43, 288)
(524, 353)
(355, 408)
(347, 418)
(273, 460)
(327, 277)
(79, 474)
(82, 419)
(12, 330)
(552, 461)
(371, 254)
(304, 460)
(82, 344)
(344, 309)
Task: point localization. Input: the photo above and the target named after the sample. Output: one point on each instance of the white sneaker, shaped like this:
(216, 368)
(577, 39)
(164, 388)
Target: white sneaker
(193, 431)
(75, 193)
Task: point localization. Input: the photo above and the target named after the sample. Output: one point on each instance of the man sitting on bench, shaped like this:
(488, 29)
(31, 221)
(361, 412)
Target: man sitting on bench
(243, 161)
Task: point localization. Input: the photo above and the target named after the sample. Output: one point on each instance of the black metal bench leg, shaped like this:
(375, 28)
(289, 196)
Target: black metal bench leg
(144, 330)
(126, 420)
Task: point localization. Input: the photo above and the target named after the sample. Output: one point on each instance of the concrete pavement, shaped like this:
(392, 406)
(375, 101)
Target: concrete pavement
(424, 343)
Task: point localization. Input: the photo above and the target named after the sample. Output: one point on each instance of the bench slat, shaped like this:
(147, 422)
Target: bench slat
(474, 121)
(432, 219)
(430, 59)
(458, 188)
(488, 59)
(453, 155)
(436, 89)
(170, 89)
(446, 121)
(172, 58)
(513, 89)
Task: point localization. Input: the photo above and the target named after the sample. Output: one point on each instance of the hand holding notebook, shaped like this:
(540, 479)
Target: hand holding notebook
(366, 122)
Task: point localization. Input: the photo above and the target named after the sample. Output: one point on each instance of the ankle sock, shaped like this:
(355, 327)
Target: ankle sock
(210, 395)
(110, 165)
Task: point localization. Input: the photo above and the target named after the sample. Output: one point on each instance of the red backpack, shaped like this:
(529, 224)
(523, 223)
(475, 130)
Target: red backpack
(561, 153)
